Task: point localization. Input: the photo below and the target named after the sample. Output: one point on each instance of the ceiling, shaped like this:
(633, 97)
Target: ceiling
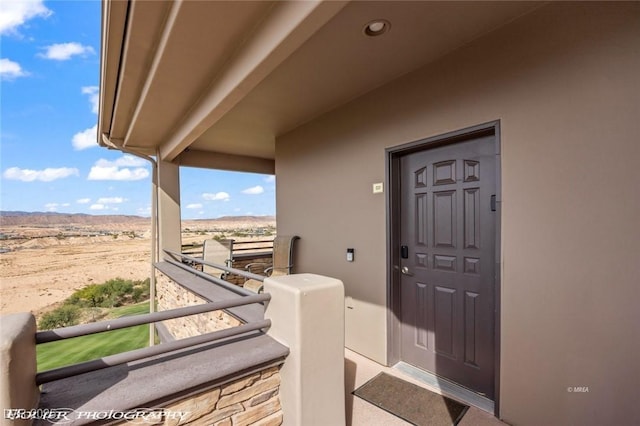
(225, 79)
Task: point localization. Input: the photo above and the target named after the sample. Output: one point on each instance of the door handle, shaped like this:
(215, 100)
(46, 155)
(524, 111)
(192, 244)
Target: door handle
(405, 271)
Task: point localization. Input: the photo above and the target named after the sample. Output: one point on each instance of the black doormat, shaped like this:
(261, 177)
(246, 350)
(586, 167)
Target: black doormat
(410, 402)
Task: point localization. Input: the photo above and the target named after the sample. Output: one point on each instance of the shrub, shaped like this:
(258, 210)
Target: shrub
(111, 293)
(74, 299)
(141, 290)
(92, 295)
(63, 316)
(137, 295)
(116, 291)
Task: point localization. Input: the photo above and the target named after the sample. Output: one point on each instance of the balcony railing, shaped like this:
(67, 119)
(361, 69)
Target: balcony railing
(266, 245)
(122, 358)
(245, 298)
(267, 333)
(187, 262)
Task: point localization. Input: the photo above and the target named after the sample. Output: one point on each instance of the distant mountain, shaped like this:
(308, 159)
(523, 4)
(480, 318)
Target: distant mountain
(17, 218)
(16, 213)
(241, 219)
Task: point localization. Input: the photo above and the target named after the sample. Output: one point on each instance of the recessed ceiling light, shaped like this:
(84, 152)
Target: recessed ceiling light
(376, 27)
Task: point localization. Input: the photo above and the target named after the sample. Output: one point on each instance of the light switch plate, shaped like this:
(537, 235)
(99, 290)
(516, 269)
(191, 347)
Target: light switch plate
(378, 188)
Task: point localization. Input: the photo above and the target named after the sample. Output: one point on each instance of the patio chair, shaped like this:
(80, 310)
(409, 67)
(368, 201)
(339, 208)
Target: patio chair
(218, 252)
(282, 262)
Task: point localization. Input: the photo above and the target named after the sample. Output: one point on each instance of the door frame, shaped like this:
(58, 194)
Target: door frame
(392, 182)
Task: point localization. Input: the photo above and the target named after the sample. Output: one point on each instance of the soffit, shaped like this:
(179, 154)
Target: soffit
(340, 63)
(172, 52)
(175, 53)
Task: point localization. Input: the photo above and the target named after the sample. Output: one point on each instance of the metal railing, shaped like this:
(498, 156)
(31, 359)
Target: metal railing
(247, 298)
(252, 245)
(196, 248)
(179, 261)
(108, 361)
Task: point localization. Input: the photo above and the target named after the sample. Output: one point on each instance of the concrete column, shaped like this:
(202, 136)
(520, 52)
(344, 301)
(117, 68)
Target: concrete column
(18, 388)
(307, 315)
(168, 185)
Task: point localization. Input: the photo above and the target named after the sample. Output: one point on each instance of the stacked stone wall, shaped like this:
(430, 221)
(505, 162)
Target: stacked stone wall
(171, 295)
(253, 400)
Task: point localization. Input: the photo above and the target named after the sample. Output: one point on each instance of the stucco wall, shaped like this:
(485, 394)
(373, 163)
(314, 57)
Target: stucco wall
(563, 81)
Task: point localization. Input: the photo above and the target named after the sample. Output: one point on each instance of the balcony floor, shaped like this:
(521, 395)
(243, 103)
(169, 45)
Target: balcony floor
(358, 370)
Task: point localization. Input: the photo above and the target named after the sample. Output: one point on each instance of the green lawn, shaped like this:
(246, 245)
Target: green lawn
(78, 349)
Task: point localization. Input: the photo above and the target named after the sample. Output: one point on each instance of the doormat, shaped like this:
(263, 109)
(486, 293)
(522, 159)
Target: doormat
(412, 403)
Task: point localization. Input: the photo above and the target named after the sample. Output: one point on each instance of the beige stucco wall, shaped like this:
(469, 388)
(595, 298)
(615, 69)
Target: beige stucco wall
(18, 365)
(564, 83)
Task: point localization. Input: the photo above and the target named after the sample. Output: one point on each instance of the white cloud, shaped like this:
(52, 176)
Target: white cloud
(46, 175)
(218, 196)
(86, 139)
(100, 206)
(10, 70)
(94, 97)
(15, 13)
(83, 201)
(64, 51)
(254, 190)
(194, 206)
(144, 211)
(125, 168)
(270, 179)
(110, 200)
(52, 207)
(114, 173)
(126, 160)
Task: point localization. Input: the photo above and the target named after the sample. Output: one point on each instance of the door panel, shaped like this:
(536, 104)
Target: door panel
(447, 287)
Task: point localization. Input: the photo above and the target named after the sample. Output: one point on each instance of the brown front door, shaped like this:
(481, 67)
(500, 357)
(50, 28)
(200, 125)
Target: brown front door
(447, 264)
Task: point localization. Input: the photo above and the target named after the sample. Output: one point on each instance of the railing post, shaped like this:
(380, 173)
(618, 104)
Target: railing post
(18, 388)
(307, 315)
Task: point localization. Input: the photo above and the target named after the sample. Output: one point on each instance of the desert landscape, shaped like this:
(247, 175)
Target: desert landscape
(44, 257)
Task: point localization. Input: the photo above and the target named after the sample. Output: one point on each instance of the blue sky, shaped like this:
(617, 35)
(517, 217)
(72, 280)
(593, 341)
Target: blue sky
(49, 158)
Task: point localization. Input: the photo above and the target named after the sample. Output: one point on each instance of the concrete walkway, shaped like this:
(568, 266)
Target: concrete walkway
(358, 370)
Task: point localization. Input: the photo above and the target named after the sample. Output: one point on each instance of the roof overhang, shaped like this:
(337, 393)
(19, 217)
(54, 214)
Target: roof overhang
(214, 84)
